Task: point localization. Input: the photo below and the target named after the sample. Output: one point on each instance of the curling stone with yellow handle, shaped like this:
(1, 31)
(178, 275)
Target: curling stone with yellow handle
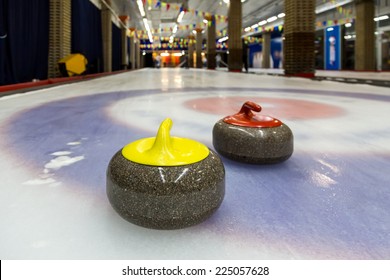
(165, 182)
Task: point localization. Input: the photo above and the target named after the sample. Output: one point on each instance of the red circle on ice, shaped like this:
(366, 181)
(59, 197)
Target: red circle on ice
(280, 108)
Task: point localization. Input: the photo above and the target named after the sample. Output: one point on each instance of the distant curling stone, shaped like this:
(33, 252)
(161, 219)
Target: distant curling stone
(165, 182)
(251, 138)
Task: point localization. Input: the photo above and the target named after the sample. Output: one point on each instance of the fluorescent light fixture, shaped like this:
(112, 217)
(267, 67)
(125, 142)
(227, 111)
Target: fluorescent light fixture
(348, 24)
(146, 23)
(223, 39)
(174, 29)
(281, 15)
(381, 18)
(255, 26)
(261, 23)
(228, 1)
(180, 17)
(330, 29)
(150, 36)
(247, 29)
(147, 27)
(271, 19)
(141, 7)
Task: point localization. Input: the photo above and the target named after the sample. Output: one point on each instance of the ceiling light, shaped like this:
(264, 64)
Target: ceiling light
(141, 7)
(228, 1)
(180, 17)
(255, 26)
(150, 36)
(381, 18)
(223, 39)
(261, 23)
(271, 19)
(147, 27)
(145, 20)
(281, 15)
(247, 29)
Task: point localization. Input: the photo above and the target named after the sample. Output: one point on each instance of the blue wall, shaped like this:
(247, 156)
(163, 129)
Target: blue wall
(332, 43)
(255, 53)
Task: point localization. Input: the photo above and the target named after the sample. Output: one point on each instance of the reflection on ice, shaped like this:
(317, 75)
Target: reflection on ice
(322, 180)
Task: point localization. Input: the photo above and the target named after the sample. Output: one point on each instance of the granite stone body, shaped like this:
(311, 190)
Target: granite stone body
(253, 144)
(166, 197)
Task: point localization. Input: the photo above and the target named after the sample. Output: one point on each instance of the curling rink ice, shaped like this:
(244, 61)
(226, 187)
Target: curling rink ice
(330, 200)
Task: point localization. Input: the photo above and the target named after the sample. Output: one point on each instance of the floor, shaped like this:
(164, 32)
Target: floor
(330, 200)
(377, 78)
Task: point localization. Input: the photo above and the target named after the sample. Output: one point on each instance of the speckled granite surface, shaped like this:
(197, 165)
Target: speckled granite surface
(252, 144)
(170, 197)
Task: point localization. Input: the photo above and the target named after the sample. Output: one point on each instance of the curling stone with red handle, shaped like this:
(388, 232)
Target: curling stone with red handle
(253, 138)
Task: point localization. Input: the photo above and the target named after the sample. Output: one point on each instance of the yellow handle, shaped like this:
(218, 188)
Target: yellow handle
(164, 150)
